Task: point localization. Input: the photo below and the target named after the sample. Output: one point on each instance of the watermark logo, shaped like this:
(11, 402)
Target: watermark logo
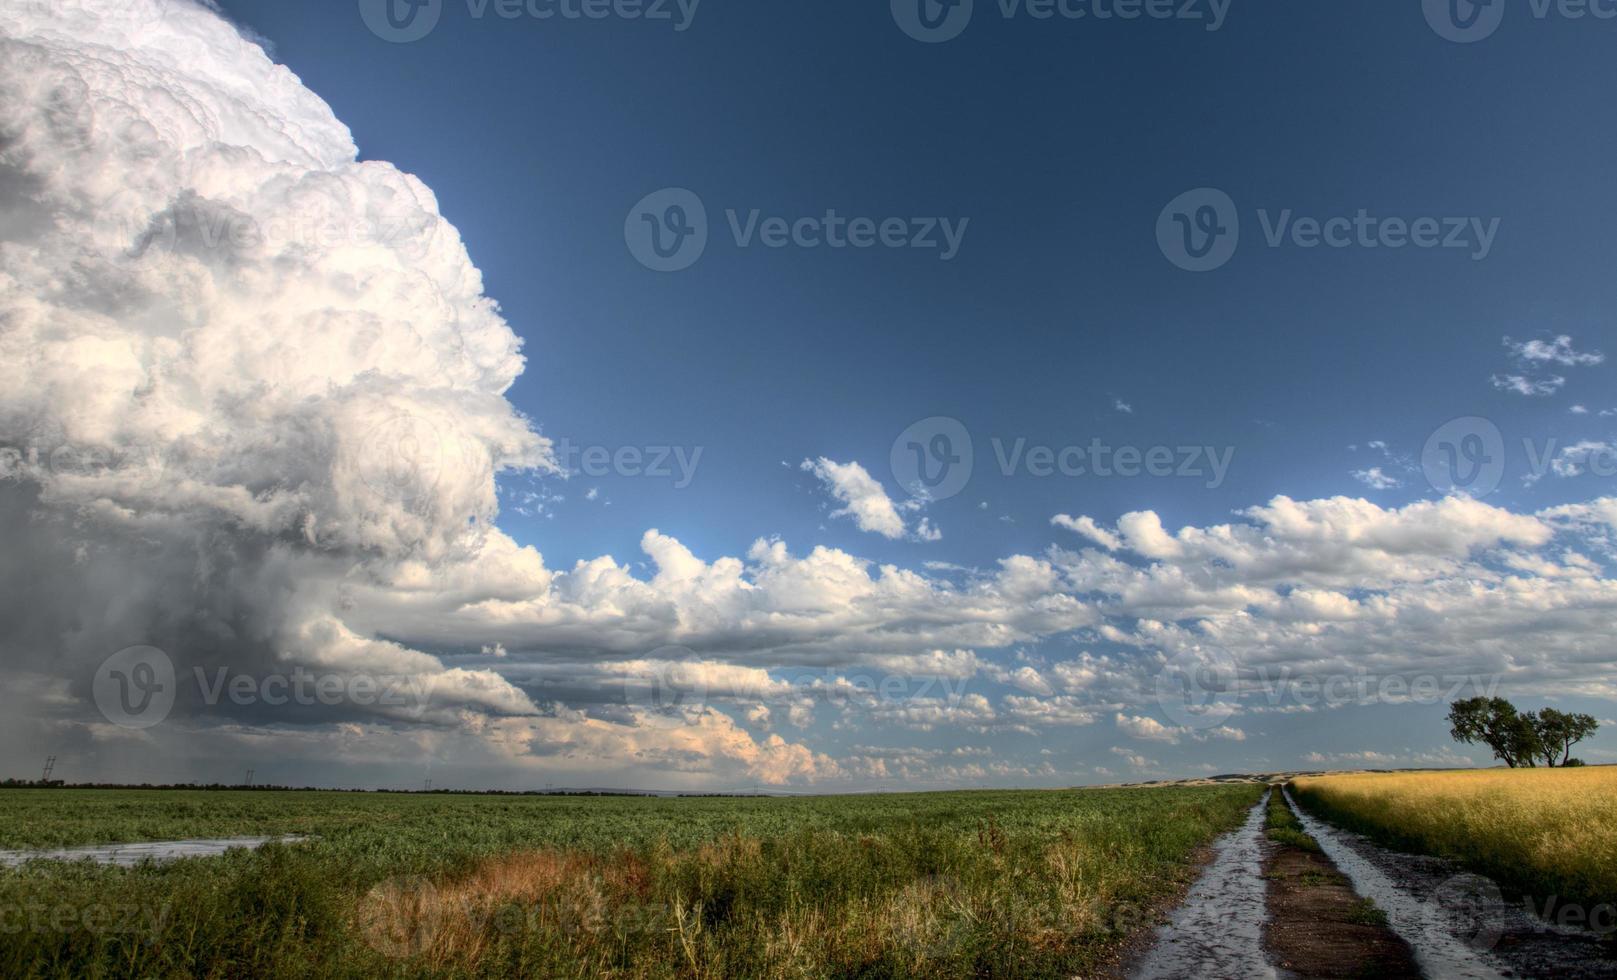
(68, 115)
(49, 454)
(932, 459)
(1465, 455)
(1199, 230)
(1102, 460)
(677, 464)
(401, 459)
(1197, 688)
(935, 21)
(932, 21)
(402, 917)
(400, 21)
(135, 687)
(667, 230)
(44, 918)
(677, 680)
(127, 14)
(1468, 908)
(1464, 21)
(1470, 21)
(1284, 688)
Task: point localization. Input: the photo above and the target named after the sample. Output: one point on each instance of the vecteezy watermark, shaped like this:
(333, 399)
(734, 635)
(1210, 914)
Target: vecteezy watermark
(201, 227)
(1554, 913)
(1199, 230)
(1473, 910)
(127, 14)
(1283, 687)
(1197, 689)
(1465, 455)
(403, 21)
(1201, 688)
(135, 687)
(1466, 907)
(676, 678)
(933, 459)
(1469, 456)
(402, 917)
(667, 230)
(98, 918)
(1470, 21)
(936, 21)
(676, 463)
(48, 454)
(1100, 459)
(307, 688)
(401, 458)
(406, 916)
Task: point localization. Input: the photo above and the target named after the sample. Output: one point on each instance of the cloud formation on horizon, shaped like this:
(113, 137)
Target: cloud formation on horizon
(253, 412)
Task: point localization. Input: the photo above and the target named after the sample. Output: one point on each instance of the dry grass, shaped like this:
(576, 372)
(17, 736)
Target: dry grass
(454, 920)
(714, 910)
(1544, 831)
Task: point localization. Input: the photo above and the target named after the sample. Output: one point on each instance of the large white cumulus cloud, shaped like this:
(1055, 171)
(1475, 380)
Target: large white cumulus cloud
(237, 365)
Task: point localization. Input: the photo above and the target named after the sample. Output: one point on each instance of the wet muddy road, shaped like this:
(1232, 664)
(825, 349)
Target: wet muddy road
(1218, 931)
(1459, 924)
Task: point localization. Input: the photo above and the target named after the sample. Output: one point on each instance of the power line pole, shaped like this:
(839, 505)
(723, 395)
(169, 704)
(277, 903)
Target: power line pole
(429, 786)
(250, 774)
(50, 767)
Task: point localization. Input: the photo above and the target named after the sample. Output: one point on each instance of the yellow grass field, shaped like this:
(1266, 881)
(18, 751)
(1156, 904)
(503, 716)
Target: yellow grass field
(1547, 832)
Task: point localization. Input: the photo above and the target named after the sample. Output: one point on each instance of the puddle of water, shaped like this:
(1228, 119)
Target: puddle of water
(129, 855)
(1459, 923)
(1218, 931)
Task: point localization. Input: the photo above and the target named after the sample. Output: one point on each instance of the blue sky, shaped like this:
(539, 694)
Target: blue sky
(1060, 141)
(1424, 236)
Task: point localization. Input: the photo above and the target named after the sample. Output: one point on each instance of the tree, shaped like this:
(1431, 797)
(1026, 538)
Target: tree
(1520, 738)
(1495, 723)
(1558, 731)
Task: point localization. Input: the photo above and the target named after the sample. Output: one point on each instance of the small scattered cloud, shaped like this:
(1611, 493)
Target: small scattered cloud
(1147, 728)
(1134, 759)
(1087, 527)
(865, 501)
(1558, 351)
(1377, 479)
(1529, 387)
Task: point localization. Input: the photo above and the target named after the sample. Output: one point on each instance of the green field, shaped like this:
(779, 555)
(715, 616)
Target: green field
(1033, 883)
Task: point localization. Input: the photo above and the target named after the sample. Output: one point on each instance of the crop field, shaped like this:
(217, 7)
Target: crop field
(1547, 832)
(1034, 883)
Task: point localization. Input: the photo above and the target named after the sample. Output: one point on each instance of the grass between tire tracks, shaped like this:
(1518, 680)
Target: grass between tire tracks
(1318, 926)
